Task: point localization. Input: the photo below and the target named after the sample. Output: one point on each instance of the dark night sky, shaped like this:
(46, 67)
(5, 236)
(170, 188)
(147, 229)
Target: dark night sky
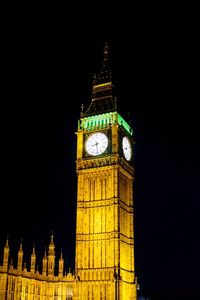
(46, 73)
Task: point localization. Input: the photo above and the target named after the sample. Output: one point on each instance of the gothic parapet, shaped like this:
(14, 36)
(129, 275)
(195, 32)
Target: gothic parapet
(97, 162)
(104, 161)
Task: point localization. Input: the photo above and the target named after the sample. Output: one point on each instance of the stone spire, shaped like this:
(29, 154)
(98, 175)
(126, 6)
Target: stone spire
(61, 265)
(51, 257)
(104, 75)
(6, 255)
(44, 263)
(20, 257)
(102, 93)
(33, 260)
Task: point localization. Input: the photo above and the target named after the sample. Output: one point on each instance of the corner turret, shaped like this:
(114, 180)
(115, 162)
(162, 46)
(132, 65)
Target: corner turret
(6, 256)
(33, 260)
(51, 257)
(20, 257)
(61, 265)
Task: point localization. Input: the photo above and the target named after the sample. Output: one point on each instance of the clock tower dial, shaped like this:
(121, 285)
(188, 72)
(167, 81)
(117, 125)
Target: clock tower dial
(96, 143)
(127, 148)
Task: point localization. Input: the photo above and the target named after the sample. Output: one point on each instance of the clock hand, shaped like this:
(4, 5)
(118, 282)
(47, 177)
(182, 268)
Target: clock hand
(96, 144)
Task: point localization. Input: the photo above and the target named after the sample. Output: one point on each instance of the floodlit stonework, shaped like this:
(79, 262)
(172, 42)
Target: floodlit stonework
(104, 260)
(21, 284)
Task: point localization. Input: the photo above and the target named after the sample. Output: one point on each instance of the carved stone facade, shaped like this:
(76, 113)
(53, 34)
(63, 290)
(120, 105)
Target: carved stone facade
(104, 230)
(22, 284)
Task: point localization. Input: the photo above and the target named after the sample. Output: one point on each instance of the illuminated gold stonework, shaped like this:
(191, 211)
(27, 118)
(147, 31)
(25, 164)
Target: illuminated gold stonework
(104, 262)
(104, 229)
(102, 85)
(22, 284)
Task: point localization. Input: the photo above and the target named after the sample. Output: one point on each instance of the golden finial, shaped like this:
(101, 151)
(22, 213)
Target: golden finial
(52, 236)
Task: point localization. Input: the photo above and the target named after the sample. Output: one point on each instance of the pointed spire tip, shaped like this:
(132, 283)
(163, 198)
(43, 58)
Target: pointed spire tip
(106, 48)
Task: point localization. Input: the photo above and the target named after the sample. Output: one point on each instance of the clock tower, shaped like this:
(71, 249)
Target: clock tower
(104, 264)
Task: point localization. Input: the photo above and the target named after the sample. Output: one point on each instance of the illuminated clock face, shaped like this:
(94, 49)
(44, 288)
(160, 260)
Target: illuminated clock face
(126, 146)
(96, 143)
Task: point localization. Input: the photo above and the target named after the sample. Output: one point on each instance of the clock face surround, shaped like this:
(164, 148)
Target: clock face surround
(126, 147)
(96, 143)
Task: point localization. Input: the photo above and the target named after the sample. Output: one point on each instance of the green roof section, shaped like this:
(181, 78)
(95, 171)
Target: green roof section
(102, 121)
(124, 124)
